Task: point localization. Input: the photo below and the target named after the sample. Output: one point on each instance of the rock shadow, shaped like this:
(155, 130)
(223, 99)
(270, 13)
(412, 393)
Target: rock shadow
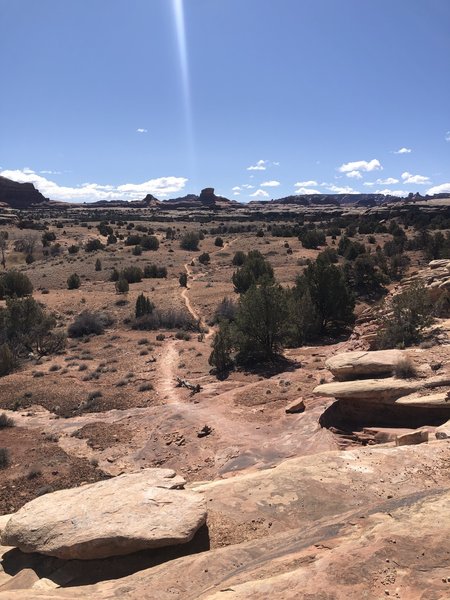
(71, 573)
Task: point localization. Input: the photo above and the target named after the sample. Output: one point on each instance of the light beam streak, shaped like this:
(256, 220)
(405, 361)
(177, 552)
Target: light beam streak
(180, 30)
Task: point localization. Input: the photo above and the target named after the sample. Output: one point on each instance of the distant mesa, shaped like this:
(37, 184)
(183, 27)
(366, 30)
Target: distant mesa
(25, 195)
(19, 195)
(207, 200)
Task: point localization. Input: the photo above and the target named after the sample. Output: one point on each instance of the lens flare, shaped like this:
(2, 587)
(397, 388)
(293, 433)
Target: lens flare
(180, 30)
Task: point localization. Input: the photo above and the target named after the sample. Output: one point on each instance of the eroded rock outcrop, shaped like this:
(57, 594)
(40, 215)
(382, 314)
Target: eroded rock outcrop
(351, 365)
(132, 512)
(384, 401)
(335, 526)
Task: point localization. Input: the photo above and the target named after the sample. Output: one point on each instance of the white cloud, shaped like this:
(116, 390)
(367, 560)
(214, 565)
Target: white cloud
(305, 183)
(260, 166)
(91, 192)
(305, 190)
(236, 193)
(369, 183)
(47, 172)
(417, 179)
(447, 136)
(341, 190)
(387, 181)
(271, 183)
(276, 164)
(354, 174)
(141, 130)
(361, 165)
(260, 194)
(236, 189)
(247, 186)
(386, 192)
(443, 188)
(159, 187)
(403, 151)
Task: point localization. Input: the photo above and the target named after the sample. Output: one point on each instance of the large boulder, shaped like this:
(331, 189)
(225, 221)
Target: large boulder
(149, 509)
(353, 365)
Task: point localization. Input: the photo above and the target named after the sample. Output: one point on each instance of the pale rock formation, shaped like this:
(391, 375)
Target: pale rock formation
(352, 365)
(132, 512)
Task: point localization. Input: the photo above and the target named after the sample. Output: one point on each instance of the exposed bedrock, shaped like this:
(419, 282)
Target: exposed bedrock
(382, 401)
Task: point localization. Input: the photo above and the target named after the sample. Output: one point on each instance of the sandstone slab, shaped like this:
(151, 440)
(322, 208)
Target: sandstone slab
(385, 390)
(388, 389)
(353, 365)
(296, 406)
(335, 526)
(440, 400)
(412, 438)
(132, 512)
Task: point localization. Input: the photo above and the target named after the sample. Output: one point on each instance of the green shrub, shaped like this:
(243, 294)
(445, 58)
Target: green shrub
(166, 319)
(7, 361)
(144, 306)
(25, 327)
(4, 458)
(204, 258)
(183, 279)
(260, 323)
(98, 265)
(14, 283)
(88, 323)
(412, 312)
(149, 242)
(5, 421)
(73, 282)
(239, 258)
(312, 238)
(93, 245)
(190, 241)
(132, 274)
(47, 237)
(222, 346)
(254, 271)
(122, 286)
(154, 272)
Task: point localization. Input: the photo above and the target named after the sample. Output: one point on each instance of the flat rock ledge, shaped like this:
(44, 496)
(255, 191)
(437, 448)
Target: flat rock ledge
(353, 365)
(122, 515)
(386, 390)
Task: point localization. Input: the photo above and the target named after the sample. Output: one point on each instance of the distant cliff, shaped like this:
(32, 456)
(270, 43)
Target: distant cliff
(19, 195)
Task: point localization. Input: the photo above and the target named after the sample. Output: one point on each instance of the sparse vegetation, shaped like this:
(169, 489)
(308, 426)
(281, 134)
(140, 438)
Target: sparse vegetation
(14, 283)
(190, 241)
(405, 369)
(5, 421)
(73, 281)
(411, 314)
(4, 458)
(122, 286)
(88, 323)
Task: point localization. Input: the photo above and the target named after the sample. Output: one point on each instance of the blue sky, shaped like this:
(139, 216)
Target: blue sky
(258, 98)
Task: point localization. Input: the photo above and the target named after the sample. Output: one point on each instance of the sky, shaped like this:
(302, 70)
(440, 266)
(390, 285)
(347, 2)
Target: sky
(260, 99)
